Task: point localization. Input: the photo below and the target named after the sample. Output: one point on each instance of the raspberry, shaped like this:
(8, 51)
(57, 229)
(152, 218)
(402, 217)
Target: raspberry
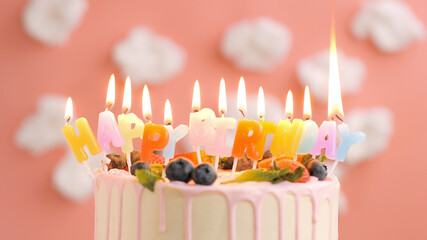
(158, 159)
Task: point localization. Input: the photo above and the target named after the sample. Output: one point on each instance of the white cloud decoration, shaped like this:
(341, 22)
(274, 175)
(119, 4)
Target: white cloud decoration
(71, 179)
(52, 21)
(390, 24)
(147, 57)
(256, 45)
(314, 72)
(41, 131)
(377, 123)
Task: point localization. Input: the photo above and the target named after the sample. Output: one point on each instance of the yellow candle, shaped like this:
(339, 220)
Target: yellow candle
(288, 134)
(267, 128)
(286, 138)
(77, 142)
(244, 140)
(125, 125)
(155, 137)
(126, 121)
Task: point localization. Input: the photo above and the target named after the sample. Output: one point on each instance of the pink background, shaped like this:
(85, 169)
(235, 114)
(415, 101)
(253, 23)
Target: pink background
(387, 197)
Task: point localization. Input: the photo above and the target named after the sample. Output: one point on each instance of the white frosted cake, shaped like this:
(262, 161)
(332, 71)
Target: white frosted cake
(251, 210)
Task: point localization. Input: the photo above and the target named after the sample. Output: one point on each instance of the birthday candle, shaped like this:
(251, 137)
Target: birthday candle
(288, 134)
(347, 140)
(85, 137)
(108, 130)
(155, 136)
(127, 120)
(174, 134)
(201, 127)
(248, 133)
(311, 130)
(267, 127)
(219, 147)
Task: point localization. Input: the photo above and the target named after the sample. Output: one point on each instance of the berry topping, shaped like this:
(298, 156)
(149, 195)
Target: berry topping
(317, 169)
(139, 165)
(134, 157)
(158, 159)
(179, 169)
(204, 174)
(267, 154)
(244, 163)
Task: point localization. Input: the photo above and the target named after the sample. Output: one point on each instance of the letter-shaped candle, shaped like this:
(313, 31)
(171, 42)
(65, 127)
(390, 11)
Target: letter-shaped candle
(287, 136)
(129, 124)
(108, 129)
(347, 139)
(219, 147)
(309, 134)
(248, 133)
(267, 127)
(155, 136)
(85, 137)
(327, 139)
(174, 134)
(201, 127)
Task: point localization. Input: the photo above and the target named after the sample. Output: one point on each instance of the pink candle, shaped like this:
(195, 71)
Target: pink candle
(327, 139)
(108, 129)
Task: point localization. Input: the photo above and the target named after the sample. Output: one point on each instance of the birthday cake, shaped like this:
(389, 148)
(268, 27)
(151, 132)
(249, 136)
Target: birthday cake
(218, 191)
(304, 209)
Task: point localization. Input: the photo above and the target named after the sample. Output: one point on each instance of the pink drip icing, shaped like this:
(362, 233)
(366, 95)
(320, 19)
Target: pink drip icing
(138, 190)
(235, 193)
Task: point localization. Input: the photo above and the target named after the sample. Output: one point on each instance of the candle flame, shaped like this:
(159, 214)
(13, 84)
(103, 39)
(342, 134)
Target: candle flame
(111, 93)
(289, 109)
(127, 96)
(68, 110)
(168, 113)
(196, 97)
(146, 104)
(261, 103)
(241, 96)
(222, 106)
(307, 103)
(335, 108)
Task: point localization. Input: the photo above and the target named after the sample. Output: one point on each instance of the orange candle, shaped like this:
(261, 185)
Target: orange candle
(248, 133)
(155, 136)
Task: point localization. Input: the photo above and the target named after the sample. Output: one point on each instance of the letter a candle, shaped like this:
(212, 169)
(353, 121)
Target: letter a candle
(248, 133)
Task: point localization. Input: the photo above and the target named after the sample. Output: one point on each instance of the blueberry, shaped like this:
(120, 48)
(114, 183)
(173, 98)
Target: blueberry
(204, 174)
(179, 170)
(140, 165)
(316, 168)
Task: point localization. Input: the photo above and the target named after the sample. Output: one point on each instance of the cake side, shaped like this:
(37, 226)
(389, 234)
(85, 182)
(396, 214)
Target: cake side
(253, 210)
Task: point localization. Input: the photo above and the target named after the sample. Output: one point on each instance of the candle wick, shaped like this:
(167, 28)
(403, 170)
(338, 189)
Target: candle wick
(68, 120)
(148, 119)
(222, 113)
(307, 118)
(339, 118)
(109, 106)
(126, 110)
(240, 110)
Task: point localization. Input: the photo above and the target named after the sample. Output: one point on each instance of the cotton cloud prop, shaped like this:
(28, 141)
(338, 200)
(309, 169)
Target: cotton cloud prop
(314, 72)
(390, 24)
(377, 123)
(256, 45)
(52, 21)
(147, 57)
(41, 131)
(71, 179)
